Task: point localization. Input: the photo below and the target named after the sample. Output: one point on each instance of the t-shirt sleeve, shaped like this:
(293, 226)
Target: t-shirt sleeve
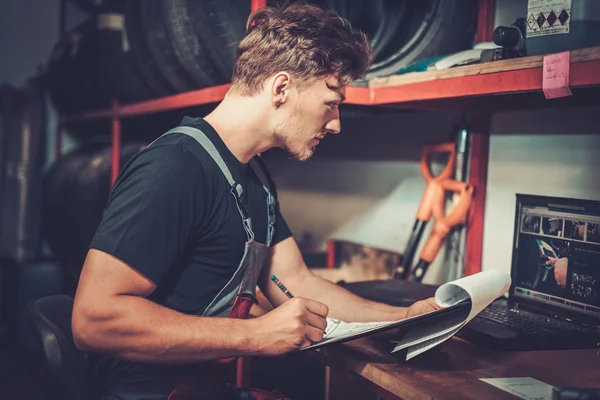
(153, 211)
(282, 230)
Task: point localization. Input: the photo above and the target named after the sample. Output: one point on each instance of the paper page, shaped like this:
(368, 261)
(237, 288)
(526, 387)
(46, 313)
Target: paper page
(482, 288)
(431, 331)
(525, 388)
(336, 329)
(422, 347)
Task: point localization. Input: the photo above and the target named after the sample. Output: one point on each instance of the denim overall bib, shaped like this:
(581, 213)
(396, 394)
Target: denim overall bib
(235, 299)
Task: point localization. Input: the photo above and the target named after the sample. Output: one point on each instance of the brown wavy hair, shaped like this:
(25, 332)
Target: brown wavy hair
(302, 39)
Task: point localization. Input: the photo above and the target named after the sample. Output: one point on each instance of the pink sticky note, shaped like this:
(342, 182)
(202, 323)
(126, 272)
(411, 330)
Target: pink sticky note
(556, 75)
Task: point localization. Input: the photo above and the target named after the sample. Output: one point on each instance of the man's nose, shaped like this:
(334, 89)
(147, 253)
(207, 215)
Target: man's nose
(334, 125)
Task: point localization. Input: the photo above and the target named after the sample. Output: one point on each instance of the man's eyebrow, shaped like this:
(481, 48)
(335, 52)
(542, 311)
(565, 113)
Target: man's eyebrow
(338, 90)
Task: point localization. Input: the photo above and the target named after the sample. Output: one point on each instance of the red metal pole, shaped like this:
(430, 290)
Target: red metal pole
(331, 253)
(485, 21)
(257, 4)
(479, 157)
(116, 143)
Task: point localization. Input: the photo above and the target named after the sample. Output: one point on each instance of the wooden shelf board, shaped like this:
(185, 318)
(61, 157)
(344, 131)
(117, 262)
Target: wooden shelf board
(577, 56)
(493, 78)
(419, 90)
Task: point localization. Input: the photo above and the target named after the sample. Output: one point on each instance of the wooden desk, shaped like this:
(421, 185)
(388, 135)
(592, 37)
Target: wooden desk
(453, 370)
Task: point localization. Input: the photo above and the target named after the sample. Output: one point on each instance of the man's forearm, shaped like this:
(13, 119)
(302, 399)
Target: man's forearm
(345, 305)
(134, 328)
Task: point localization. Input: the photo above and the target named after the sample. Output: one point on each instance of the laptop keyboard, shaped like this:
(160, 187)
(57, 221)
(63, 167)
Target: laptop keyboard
(528, 322)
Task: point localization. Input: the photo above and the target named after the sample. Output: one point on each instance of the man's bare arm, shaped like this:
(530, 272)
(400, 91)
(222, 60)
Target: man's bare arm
(288, 265)
(112, 315)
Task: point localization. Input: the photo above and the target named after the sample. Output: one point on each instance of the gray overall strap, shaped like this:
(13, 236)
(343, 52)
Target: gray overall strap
(262, 177)
(211, 149)
(236, 188)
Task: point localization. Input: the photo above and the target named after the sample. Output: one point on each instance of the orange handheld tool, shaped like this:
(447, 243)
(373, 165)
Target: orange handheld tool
(425, 210)
(443, 223)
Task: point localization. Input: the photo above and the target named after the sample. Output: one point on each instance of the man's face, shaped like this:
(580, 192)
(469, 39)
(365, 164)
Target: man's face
(308, 115)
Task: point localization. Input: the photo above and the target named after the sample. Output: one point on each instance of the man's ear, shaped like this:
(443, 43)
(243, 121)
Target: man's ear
(280, 88)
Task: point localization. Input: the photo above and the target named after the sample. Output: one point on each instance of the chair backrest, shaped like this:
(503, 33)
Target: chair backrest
(64, 363)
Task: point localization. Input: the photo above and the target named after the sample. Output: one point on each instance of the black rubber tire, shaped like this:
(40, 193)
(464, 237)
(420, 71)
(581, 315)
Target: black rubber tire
(90, 6)
(221, 26)
(144, 61)
(23, 148)
(159, 43)
(404, 31)
(117, 56)
(188, 47)
(75, 192)
(444, 27)
(6, 93)
(74, 77)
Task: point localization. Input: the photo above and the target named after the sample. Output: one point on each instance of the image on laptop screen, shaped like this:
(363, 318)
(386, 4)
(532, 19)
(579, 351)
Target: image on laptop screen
(557, 255)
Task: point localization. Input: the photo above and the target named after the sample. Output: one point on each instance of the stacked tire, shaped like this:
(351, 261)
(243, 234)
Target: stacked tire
(22, 145)
(76, 190)
(405, 31)
(136, 50)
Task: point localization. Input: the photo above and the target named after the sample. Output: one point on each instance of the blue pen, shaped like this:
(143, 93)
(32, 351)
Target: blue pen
(282, 287)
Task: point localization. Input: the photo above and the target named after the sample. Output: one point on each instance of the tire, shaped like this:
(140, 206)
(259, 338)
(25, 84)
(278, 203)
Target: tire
(116, 55)
(445, 27)
(221, 27)
(148, 69)
(402, 32)
(75, 192)
(189, 49)
(90, 6)
(6, 93)
(74, 77)
(161, 48)
(23, 149)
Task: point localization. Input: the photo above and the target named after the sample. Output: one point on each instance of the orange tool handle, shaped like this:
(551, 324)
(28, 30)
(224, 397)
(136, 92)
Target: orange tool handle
(425, 209)
(443, 223)
(459, 212)
(438, 148)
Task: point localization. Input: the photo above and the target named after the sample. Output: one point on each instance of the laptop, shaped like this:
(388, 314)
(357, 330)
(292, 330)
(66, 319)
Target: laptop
(554, 298)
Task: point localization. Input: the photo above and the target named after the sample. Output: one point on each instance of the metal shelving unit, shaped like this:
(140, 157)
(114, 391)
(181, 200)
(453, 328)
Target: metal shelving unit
(476, 89)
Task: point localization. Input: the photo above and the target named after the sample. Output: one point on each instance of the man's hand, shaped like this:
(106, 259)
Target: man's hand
(422, 307)
(560, 269)
(295, 324)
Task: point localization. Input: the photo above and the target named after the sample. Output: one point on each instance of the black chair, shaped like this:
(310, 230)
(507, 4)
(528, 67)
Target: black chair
(63, 368)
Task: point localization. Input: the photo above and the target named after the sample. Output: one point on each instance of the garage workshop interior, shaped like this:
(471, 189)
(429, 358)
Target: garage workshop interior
(299, 199)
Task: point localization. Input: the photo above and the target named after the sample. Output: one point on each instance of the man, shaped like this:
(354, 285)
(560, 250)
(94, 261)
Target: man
(192, 224)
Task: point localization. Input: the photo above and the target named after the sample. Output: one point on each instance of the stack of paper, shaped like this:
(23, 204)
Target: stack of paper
(481, 289)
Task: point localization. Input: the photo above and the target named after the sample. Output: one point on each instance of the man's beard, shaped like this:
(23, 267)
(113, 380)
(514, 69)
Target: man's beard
(300, 152)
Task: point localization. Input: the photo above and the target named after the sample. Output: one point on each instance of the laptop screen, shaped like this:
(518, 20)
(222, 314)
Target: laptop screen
(556, 254)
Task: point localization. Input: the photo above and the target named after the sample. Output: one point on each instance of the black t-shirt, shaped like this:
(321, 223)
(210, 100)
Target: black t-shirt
(171, 216)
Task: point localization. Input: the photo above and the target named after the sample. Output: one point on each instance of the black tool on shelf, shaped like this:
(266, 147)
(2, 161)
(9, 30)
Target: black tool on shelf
(512, 40)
